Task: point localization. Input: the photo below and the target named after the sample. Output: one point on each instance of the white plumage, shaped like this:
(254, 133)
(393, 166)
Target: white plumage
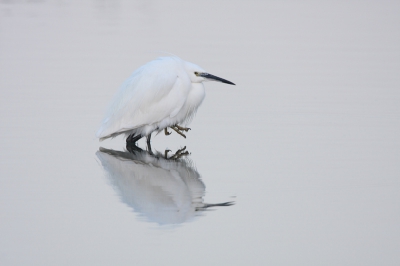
(160, 94)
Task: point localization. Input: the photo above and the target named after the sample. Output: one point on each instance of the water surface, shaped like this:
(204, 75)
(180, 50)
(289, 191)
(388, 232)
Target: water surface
(306, 144)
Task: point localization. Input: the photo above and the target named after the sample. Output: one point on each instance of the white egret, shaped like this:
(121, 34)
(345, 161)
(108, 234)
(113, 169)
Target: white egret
(163, 93)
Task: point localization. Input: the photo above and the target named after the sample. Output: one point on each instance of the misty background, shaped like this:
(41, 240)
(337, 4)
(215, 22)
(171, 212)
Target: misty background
(306, 144)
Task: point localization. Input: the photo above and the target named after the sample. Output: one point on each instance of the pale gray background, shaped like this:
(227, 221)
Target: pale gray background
(307, 144)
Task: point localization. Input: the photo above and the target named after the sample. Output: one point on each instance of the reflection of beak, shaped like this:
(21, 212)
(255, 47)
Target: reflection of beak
(212, 77)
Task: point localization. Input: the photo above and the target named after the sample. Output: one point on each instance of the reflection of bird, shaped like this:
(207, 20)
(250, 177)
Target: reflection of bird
(163, 93)
(162, 190)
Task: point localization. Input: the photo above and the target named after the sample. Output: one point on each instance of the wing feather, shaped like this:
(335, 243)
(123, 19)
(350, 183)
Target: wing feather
(153, 92)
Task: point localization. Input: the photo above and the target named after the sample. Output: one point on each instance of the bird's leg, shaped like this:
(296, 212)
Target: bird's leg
(182, 128)
(178, 154)
(132, 138)
(132, 148)
(166, 132)
(148, 138)
(178, 131)
(131, 143)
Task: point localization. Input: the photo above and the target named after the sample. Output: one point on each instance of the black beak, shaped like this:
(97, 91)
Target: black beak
(212, 77)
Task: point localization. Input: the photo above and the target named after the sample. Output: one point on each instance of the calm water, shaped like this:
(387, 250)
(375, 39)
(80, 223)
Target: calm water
(306, 146)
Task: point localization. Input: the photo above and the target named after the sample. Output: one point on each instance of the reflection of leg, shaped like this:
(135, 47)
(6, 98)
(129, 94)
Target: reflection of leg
(132, 148)
(178, 154)
(166, 154)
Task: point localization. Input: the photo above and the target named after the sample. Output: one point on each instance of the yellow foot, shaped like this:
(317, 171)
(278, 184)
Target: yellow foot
(182, 128)
(179, 130)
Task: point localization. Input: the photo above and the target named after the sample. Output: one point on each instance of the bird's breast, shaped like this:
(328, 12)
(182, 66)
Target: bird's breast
(196, 95)
(193, 100)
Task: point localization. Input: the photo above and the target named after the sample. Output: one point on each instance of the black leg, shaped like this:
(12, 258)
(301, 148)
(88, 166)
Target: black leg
(148, 143)
(132, 138)
(132, 148)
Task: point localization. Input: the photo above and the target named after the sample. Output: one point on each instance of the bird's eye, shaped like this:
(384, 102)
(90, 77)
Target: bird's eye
(196, 73)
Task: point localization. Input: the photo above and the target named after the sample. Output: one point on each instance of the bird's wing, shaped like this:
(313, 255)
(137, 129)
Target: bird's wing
(152, 93)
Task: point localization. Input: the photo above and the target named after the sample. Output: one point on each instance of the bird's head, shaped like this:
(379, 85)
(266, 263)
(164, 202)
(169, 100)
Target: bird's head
(198, 75)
